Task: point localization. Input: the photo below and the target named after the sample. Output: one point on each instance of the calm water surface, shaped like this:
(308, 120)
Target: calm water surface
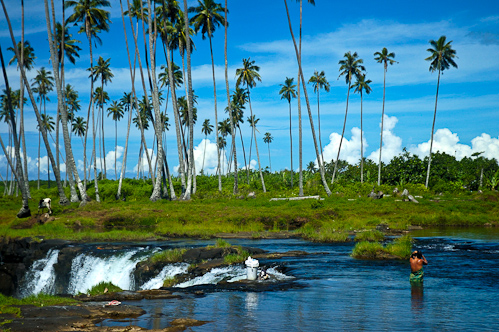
(339, 293)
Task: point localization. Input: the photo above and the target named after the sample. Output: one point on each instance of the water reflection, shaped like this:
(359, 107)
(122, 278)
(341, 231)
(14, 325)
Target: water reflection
(417, 296)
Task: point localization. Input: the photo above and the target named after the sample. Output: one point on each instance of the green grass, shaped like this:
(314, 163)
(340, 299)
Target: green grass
(168, 256)
(100, 288)
(400, 248)
(8, 305)
(139, 219)
(240, 257)
(370, 235)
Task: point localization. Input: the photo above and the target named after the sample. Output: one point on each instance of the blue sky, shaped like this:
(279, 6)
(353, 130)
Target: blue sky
(468, 105)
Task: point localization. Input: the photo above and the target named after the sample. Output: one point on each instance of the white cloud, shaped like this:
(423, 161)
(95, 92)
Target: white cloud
(446, 141)
(392, 144)
(350, 149)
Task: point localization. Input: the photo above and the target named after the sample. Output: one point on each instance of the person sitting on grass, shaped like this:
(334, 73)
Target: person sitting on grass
(417, 261)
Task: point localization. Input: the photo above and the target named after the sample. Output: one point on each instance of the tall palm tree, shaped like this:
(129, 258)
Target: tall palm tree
(93, 19)
(225, 130)
(248, 75)
(302, 78)
(62, 196)
(288, 91)
(319, 82)
(127, 102)
(350, 66)
(232, 119)
(102, 71)
(115, 110)
(207, 18)
(28, 60)
(18, 174)
(49, 124)
(62, 115)
(441, 58)
(267, 138)
(239, 98)
(42, 84)
(206, 129)
(386, 59)
(78, 127)
(359, 86)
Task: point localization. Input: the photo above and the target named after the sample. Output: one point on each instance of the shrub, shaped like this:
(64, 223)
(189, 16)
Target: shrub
(168, 256)
(371, 235)
(100, 288)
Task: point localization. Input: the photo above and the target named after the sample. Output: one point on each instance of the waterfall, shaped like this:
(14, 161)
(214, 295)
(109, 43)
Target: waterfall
(168, 271)
(89, 270)
(40, 277)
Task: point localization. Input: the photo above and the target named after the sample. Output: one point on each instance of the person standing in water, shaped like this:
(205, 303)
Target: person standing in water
(417, 261)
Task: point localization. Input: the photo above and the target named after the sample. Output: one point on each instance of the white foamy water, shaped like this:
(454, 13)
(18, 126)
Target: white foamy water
(214, 276)
(88, 271)
(230, 274)
(40, 277)
(168, 271)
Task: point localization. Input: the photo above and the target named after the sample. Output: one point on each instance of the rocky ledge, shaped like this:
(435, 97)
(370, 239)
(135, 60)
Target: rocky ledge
(83, 317)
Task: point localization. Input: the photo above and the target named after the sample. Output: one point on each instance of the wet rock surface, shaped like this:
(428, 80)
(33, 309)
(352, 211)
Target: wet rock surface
(84, 317)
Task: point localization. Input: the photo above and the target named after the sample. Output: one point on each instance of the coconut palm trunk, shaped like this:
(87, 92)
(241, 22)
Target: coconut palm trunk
(382, 123)
(298, 57)
(432, 131)
(342, 135)
(232, 125)
(18, 173)
(158, 125)
(62, 196)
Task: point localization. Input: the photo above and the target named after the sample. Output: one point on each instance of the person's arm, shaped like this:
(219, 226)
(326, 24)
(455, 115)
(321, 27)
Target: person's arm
(425, 262)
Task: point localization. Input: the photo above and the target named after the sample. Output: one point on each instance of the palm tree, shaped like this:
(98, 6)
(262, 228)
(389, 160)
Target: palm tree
(206, 129)
(385, 58)
(248, 75)
(48, 123)
(442, 57)
(319, 82)
(302, 78)
(102, 71)
(207, 18)
(231, 117)
(78, 127)
(225, 130)
(350, 66)
(42, 84)
(115, 110)
(267, 138)
(93, 20)
(28, 60)
(239, 98)
(287, 92)
(359, 86)
(18, 174)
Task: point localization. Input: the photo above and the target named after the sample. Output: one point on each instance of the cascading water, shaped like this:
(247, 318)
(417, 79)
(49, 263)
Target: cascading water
(40, 278)
(169, 271)
(89, 270)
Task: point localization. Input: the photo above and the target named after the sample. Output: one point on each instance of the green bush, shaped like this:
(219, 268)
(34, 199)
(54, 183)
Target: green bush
(371, 236)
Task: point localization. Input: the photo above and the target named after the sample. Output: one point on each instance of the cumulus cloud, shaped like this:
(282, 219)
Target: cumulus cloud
(446, 141)
(392, 144)
(350, 149)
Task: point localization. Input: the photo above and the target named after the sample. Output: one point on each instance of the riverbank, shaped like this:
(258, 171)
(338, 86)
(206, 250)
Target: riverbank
(328, 219)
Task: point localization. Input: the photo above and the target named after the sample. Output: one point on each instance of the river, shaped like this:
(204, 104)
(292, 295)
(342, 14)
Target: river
(333, 292)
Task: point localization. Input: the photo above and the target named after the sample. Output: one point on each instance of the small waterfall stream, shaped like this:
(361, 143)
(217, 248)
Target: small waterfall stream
(40, 278)
(91, 267)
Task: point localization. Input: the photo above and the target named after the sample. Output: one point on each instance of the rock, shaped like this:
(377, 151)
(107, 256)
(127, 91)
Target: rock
(412, 199)
(383, 227)
(251, 195)
(187, 322)
(405, 192)
(396, 190)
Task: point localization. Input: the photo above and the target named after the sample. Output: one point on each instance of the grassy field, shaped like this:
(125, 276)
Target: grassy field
(330, 219)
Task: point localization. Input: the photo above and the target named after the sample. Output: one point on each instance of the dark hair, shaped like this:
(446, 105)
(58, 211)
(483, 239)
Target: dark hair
(417, 254)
